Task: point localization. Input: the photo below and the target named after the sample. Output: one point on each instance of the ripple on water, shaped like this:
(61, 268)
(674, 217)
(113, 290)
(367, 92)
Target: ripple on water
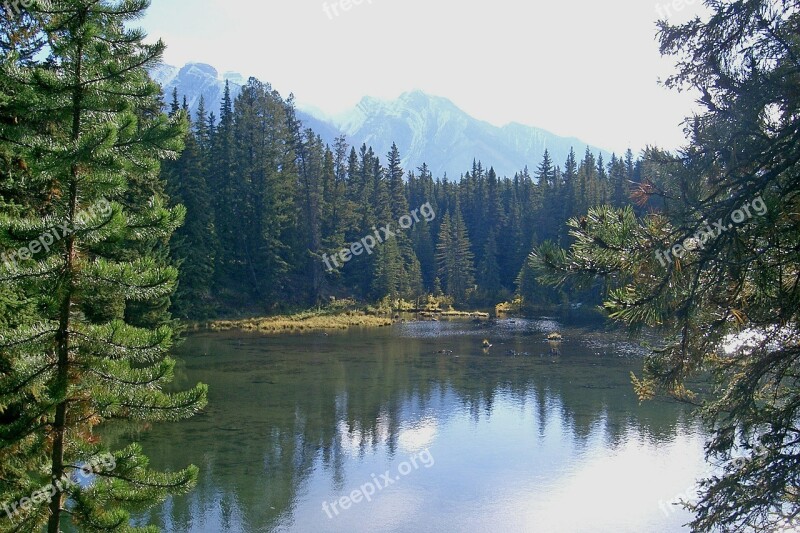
(497, 328)
(431, 329)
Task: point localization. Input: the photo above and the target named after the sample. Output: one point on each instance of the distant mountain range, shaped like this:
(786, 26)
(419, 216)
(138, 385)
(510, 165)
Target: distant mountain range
(196, 79)
(426, 128)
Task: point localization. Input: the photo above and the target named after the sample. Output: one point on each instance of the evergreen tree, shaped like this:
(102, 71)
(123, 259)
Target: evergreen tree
(618, 182)
(394, 174)
(587, 187)
(262, 188)
(545, 171)
(225, 200)
(310, 165)
(424, 251)
(569, 198)
(547, 219)
(420, 192)
(489, 270)
(387, 271)
(602, 181)
(513, 244)
(203, 130)
(704, 287)
(445, 258)
(454, 257)
(409, 272)
(193, 245)
(462, 281)
(79, 364)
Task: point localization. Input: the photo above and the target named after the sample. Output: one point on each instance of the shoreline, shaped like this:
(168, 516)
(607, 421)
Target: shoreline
(322, 320)
(299, 323)
(346, 314)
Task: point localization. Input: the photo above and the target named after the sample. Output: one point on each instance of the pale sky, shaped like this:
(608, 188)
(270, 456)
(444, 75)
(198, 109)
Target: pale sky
(583, 68)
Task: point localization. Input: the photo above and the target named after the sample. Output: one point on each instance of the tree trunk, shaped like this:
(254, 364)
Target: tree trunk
(62, 336)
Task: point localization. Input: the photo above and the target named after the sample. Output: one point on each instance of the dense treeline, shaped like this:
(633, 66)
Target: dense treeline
(270, 206)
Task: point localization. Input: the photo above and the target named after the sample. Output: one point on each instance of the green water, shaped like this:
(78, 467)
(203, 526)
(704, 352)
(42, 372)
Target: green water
(527, 436)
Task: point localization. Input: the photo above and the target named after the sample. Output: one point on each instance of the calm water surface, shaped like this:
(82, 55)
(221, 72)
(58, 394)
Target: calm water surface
(527, 436)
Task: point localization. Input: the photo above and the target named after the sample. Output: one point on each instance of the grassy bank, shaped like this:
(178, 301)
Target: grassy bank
(339, 315)
(307, 321)
(453, 314)
(427, 307)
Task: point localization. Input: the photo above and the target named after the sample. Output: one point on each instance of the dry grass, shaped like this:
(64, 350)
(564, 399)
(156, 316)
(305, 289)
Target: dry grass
(470, 314)
(303, 322)
(453, 314)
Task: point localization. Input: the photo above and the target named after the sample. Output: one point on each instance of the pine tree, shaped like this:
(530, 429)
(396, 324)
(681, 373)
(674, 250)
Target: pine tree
(194, 244)
(514, 244)
(424, 250)
(704, 287)
(569, 199)
(420, 192)
(312, 171)
(547, 220)
(338, 209)
(462, 282)
(225, 200)
(454, 257)
(586, 188)
(409, 271)
(602, 181)
(78, 365)
(261, 189)
(617, 182)
(387, 271)
(360, 169)
(445, 258)
(394, 174)
(544, 172)
(489, 270)
(203, 130)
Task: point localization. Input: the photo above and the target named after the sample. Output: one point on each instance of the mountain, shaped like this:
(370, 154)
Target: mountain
(426, 128)
(432, 129)
(196, 79)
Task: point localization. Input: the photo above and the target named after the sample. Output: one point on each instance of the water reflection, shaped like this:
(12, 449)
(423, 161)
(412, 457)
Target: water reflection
(524, 439)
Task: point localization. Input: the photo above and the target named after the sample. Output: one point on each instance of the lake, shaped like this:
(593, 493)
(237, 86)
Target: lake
(374, 430)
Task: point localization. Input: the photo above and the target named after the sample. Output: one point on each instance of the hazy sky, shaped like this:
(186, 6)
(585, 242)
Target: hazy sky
(585, 68)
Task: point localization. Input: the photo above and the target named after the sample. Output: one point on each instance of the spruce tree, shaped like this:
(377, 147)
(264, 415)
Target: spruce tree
(311, 200)
(617, 182)
(489, 270)
(463, 282)
(410, 281)
(445, 258)
(567, 201)
(92, 142)
(225, 201)
(193, 245)
(544, 172)
(454, 257)
(423, 249)
(551, 211)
